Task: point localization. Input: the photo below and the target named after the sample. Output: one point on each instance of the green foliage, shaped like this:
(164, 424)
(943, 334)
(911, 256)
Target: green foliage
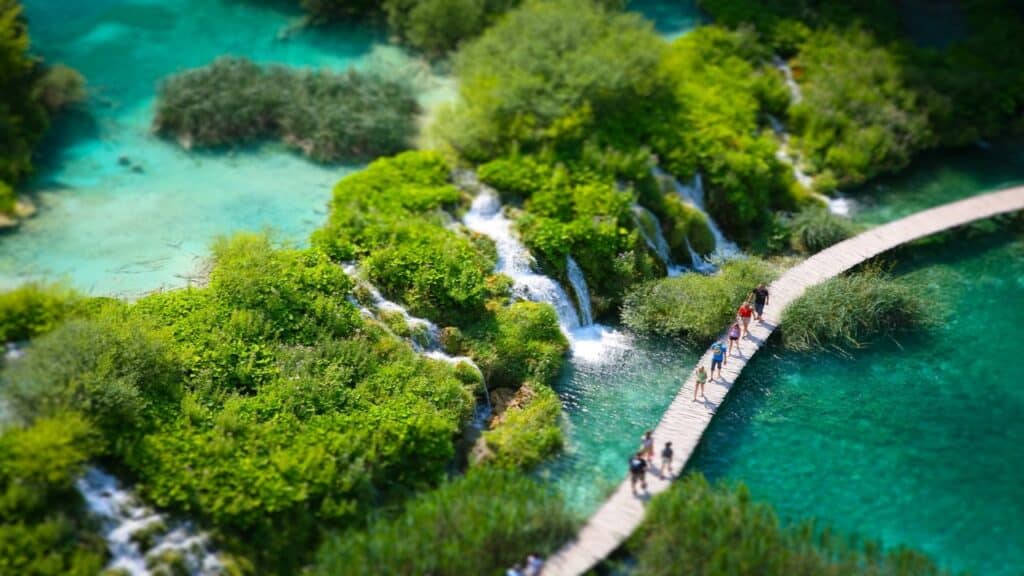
(478, 524)
(848, 311)
(553, 74)
(327, 116)
(8, 199)
(59, 87)
(35, 309)
(697, 528)
(23, 119)
(392, 216)
(814, 229)
(721, 98)
(858, 117)
(686, 224)
(119, 374)
(527, 433)
(515, 177)
(43, 531)
(691, 305)
(519, 343)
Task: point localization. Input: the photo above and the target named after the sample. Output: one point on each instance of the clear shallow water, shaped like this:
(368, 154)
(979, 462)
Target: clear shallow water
(608, 406)
(921, 445)
(112, 229)
(671, 19)
(940, 177)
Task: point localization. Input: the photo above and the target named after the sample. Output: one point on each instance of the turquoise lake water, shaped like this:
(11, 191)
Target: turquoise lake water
(109, 229)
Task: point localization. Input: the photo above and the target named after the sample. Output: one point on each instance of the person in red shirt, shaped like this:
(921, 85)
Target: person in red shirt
(744, 313)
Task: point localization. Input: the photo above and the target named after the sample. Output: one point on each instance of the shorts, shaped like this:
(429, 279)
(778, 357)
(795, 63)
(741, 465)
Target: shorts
(717, 363)
(759, 308)
(734, 338)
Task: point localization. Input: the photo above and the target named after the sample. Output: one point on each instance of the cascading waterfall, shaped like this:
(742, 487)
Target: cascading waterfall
(693, 194)
(590, 342)
(654, 237)
(579, 286)
(839, 205)
(794, 89)
(138, 537)
(426, 336)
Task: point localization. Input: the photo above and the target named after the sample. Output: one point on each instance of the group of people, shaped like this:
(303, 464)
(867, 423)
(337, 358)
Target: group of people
(533, 566)
(643, 461)
(752, 308)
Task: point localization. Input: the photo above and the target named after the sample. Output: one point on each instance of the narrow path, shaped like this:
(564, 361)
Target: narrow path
(685, 420)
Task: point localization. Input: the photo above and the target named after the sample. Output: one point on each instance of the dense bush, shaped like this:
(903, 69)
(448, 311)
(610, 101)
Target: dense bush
(60, 87)
(481, 523)
(120, 375)
(43, 527)
(527, 432)
(848, 311)
(556, 73)
(721, 98)
(872, 96)
(697, 528)
(34, 309)
(327, 116)
(814, 229)
(858, 117)
(519, 343)
(694, 306)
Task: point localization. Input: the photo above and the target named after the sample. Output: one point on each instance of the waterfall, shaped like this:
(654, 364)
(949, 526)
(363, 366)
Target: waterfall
(654, 237)
(485, 217)
(515, 261)
(136, 536)
(579, 286)
(693, 194)
(839, 206)
(794, 89)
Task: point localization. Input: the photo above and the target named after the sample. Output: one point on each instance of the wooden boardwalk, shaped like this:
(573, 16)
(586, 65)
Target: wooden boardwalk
(685, 420)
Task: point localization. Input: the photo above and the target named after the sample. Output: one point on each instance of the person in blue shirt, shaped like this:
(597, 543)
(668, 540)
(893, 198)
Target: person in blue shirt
(718, 350)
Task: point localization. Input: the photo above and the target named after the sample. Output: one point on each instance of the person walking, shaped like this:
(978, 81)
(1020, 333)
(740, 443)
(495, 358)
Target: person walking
(734, 337)
(637, 470)
(534, 564)
(666, 458)
(718, 350)
(516, 570)
(647, 447)
(702, 377)
(744, 314)
(760, 300)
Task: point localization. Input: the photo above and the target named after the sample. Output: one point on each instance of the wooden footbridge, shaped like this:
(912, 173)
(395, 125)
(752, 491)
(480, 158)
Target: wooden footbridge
(685, 420)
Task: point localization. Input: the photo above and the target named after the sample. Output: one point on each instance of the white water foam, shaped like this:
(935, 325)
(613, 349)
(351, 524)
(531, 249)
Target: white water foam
(693, 194)
(590, 342)
(122, 518)
(838, 205)
(654, 237)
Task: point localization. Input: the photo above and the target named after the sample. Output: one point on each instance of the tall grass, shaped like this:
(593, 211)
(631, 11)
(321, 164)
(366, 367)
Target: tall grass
(814, 229)
(697, 528)
(329, 117)
(478, 524)
(848, 311)
(694, 306)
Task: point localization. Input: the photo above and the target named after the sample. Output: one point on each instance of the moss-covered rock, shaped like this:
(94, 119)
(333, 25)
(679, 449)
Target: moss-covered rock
(686, 223)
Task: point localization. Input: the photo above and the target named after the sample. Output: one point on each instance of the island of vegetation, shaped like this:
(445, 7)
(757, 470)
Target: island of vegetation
(293, 417)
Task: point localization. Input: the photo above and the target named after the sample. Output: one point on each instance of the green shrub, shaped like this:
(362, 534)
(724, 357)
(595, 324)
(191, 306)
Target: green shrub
(118, 373)
(858, 117)
(327, 116)
(519, 343)
(60, 87)
(23, 119)
(696, 528)
(694, 306)
(848, 311)
(813, 229)
(515, 177)
(8, 199)
(34, 309)
(553, 73)
(723, 87)
(527, 433)
(686, 224)
(478, 524)
(44, 529)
